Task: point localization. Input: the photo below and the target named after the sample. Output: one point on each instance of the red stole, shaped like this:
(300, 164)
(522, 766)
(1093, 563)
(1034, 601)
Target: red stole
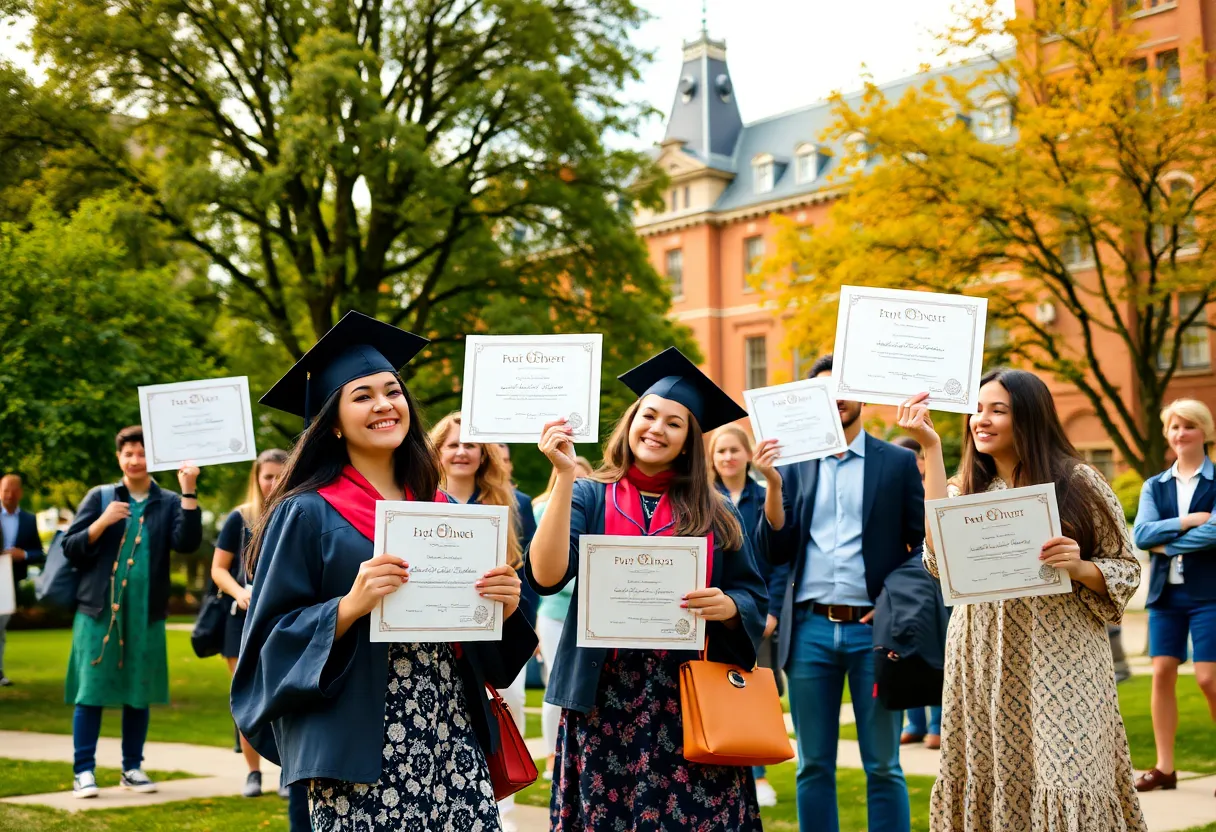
(623, 515)
(352, 496)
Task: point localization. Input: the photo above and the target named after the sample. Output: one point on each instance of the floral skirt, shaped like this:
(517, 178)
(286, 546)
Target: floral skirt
(623, 766)
(435, 775)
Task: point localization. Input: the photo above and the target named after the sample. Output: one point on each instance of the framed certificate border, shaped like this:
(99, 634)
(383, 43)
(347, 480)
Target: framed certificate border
(490, 627)
(593, 545)
(833, 441)
(585, 421)
(8, 586)
(957, 395)
(242, 448)
(1040, 499)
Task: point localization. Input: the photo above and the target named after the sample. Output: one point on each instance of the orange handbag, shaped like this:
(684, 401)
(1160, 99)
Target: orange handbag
(732, 716)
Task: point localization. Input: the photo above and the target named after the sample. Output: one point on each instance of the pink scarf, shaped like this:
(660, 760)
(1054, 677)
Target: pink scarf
(355, 498)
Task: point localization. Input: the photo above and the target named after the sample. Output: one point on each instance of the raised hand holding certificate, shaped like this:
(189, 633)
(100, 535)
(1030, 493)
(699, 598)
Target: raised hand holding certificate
(988, 545)
(801, 416)
(630, 590)
(892, 344)
(513, 384)
(448, 548)
(205, 422)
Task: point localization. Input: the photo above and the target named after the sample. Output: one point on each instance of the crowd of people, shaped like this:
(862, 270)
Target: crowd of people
(379, 736)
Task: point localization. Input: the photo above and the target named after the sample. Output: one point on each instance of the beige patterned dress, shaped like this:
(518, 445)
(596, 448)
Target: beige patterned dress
(1032, 738)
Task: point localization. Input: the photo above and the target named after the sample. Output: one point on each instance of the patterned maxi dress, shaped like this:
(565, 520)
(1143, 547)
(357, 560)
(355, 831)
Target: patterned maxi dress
(1032, 738)
(435, 775)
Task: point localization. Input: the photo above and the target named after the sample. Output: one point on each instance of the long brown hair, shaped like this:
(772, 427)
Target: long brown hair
(251, 509)
(319, 457)
(698, 507)
(492, 481)
(1044, 455)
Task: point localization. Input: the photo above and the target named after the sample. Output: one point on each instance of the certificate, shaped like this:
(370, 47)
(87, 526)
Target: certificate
(448, 548)
(513, 384)
(801, 416)
(8, 586)
(206, 422)
(630, 590)
(892, 344)
(988, 545)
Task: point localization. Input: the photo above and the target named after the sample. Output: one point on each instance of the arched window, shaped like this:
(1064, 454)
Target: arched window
(857, 151)
(806, 161)
(997, 119)
(763, 173)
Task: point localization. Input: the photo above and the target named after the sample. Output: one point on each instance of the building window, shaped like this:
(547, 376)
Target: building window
(995, 336)
(675, 272)
(756, 355)
(1171, 78)
(1196, 351)
(687, 197)
(857, 151)
(997, 120)
(807, 163)
(753, 256)
(1181, 195)
(1101, 460)
(764, 173)
(1074, 252)
(1144, 90)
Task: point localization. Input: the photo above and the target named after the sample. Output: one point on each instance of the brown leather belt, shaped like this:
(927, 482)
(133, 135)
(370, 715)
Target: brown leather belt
(840, 613)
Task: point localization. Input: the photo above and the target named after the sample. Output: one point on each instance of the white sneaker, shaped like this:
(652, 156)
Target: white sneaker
(84, 785)
(135, 780)
(766, 795)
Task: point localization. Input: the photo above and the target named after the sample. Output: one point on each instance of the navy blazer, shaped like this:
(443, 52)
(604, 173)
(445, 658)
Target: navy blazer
(169, 527)
(314, 704)
(29, 542)
(751, 509)
(892, 517)
(1157, 523)
(575, 677)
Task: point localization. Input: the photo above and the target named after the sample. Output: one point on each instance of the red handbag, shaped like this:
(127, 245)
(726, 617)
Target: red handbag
(511, 766)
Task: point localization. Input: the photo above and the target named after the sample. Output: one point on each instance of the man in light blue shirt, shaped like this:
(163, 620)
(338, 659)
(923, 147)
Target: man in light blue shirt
(850, 521)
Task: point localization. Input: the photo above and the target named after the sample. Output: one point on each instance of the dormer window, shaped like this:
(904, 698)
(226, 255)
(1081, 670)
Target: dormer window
(997, 120)
(764, 173)
(857, 151)
(807, 163)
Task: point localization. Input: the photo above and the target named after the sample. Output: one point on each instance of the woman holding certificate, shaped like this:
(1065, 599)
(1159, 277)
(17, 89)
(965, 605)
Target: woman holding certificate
(1031, 732)
(388, 736)
(621, 728)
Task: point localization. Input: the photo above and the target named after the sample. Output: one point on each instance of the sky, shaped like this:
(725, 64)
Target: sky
(783, 54)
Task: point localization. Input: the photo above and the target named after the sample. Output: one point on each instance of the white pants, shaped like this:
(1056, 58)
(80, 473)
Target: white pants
(515, 698)
(550, 632)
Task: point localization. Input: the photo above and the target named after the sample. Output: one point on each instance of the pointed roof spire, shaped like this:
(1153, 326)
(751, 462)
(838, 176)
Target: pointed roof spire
(705, 18)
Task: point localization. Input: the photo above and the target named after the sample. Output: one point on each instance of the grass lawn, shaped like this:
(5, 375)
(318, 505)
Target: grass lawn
(37, 777)
(37, 660)
(267, 814)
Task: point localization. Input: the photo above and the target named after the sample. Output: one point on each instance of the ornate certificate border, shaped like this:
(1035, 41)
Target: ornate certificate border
(489, 624)
(1052, 578)
(241, 448)
(833, 439)
(595, 547)
(585, 421)
(954, 391)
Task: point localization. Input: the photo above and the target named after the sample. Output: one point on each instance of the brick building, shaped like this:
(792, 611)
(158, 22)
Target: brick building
(728, 179)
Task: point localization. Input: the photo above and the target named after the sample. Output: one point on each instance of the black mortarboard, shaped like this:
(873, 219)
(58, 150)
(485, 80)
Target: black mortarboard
(357, 346)
(670, 375)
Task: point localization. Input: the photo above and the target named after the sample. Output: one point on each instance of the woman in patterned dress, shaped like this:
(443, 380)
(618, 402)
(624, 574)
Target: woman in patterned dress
(1031, 732)
(620, 739)
(388, 736)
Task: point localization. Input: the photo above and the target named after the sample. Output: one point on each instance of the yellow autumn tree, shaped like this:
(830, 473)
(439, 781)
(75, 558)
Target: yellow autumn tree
(1066, 176)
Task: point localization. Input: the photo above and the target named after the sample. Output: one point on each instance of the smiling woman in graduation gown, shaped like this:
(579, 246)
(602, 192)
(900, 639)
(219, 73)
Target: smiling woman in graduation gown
(388, 736)
(620, 741)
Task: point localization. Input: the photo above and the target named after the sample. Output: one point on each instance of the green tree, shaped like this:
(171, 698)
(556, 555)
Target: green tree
(437, 163)
(81, 329)
(1098, 202)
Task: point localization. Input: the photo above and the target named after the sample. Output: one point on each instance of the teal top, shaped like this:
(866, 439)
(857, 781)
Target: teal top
(556, 606)
(120, 658)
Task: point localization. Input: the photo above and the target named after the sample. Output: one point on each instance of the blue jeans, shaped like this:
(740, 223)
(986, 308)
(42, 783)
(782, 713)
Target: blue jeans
(917, 724)
(822, 655)
(86, 728)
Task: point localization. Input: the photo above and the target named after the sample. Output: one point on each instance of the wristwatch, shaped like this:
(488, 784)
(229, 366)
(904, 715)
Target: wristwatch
(189, 496)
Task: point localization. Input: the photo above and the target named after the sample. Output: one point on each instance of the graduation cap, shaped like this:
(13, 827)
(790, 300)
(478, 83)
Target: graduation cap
(357, 346)
(670, 375)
